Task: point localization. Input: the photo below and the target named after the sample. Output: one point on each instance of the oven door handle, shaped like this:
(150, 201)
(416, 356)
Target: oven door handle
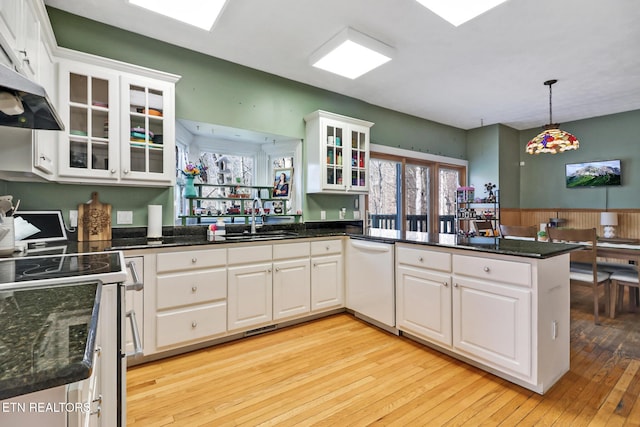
(137, 343)
(137, 284)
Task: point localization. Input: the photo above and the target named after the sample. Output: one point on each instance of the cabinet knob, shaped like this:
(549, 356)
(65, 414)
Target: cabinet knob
(126, 171)
(446, 284)
(327, 248)
(43, 157)
(194, 324)
(97, 412)
(277, 268)
(194, 260)
(455, 285)
(112, 171)
(98, 399)
(268, 270)
(421, 259)
(486, 269)
(194, 288)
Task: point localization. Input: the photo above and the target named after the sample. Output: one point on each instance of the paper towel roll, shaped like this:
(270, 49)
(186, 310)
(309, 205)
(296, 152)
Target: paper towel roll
(154, 221)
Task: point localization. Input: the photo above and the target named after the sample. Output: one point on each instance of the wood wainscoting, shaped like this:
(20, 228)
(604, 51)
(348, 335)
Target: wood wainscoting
(628, 219)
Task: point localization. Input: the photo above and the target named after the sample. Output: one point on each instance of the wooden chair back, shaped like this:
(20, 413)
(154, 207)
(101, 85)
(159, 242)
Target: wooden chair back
(577, 235)
(519, 230)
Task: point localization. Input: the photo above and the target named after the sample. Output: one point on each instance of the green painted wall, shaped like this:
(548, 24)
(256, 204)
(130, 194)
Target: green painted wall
(509, 167)
(216, 91)
(483, 156)
(542, 183)
(44, 196)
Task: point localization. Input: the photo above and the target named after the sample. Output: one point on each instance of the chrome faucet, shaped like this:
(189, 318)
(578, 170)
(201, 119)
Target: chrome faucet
(257, 204)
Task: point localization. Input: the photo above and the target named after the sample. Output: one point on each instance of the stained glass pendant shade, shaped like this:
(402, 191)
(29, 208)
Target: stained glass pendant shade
(552, 139)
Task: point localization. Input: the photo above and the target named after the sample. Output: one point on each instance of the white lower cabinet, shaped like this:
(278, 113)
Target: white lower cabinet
(493, 322)
(506, 314)
(250, 290)
(291, 280)
(424, 303)
(327, 275)
(189, 299)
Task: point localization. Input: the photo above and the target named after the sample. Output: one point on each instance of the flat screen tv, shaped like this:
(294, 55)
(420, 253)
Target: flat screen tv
(593, 174)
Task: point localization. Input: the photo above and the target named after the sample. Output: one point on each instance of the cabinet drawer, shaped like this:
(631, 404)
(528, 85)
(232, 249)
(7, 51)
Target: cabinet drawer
(516, 273)
(176, 290)
(188, 260)
(325, 247)
(192, 324)
(249, 254)
(291, 250)
(417, 257)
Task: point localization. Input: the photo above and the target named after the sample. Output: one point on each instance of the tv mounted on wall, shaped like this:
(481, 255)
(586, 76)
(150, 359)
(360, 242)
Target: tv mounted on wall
(593, 174)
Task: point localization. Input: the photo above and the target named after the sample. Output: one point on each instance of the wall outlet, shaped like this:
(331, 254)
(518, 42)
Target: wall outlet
(124, 217)
(323, 215)
(73, 219)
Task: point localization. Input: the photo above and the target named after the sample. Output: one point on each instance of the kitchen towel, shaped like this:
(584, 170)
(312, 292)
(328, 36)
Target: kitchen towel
(154, 221)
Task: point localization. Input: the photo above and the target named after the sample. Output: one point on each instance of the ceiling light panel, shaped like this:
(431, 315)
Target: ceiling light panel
(199, 13)
(351, 54)
(458, 12)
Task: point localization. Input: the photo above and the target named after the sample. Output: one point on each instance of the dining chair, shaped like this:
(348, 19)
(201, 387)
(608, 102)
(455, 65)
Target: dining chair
(630, 278)
(519, 231)
(584, 266)
(483, 227)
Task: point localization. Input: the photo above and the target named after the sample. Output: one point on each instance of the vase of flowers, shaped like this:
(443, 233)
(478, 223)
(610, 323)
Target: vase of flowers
(190, 172)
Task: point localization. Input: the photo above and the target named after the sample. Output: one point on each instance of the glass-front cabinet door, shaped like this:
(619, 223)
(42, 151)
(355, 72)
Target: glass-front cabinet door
(334, 173)
(359, 158)
(89, 147)
(147, 119)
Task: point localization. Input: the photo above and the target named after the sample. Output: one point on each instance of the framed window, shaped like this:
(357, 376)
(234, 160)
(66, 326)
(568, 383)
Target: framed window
(411, 191)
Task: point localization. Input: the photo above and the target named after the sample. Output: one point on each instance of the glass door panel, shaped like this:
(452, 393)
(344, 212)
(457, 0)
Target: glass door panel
(146, 150)
(384, 193)
(448, 182)
(335, 158)
(417, 188)
(358, 159)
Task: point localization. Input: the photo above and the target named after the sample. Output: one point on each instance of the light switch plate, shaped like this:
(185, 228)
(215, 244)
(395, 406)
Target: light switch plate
(124, 217)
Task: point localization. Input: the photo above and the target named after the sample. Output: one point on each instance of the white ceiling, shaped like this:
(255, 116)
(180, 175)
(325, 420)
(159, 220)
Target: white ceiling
(488, 70)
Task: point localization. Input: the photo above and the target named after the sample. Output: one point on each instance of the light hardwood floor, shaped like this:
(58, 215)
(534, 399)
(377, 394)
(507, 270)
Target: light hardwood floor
(339, 371)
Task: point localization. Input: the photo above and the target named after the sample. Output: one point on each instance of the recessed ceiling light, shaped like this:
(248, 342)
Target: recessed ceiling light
(458, 12)
(199, 13)
(351, 54)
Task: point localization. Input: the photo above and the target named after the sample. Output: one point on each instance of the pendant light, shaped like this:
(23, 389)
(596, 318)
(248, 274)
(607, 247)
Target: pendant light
(552, 139)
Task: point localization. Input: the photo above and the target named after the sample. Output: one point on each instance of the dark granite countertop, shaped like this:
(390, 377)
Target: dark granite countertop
(134, 238)
(494, 245)
(48, 336)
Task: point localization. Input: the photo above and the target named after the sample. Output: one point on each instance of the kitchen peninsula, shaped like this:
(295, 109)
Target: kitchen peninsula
(499, 304)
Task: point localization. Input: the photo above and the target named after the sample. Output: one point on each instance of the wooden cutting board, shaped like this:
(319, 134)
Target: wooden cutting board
(94, 220)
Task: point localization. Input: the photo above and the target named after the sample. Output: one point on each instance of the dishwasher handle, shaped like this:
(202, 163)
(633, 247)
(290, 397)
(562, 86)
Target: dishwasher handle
(137, 284)
(373, 247)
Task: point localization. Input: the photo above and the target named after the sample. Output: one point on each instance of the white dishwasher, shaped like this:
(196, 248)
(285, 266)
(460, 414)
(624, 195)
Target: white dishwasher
(370, 281)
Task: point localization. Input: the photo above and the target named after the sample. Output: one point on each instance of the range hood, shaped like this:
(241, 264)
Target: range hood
(24, 103)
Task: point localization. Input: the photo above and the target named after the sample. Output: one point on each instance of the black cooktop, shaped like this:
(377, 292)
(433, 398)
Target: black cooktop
(58, 266)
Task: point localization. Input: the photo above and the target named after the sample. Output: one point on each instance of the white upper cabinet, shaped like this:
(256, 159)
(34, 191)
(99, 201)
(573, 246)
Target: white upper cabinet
(147, 130)
(20, 34)
(337, 153)
(119, 126)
